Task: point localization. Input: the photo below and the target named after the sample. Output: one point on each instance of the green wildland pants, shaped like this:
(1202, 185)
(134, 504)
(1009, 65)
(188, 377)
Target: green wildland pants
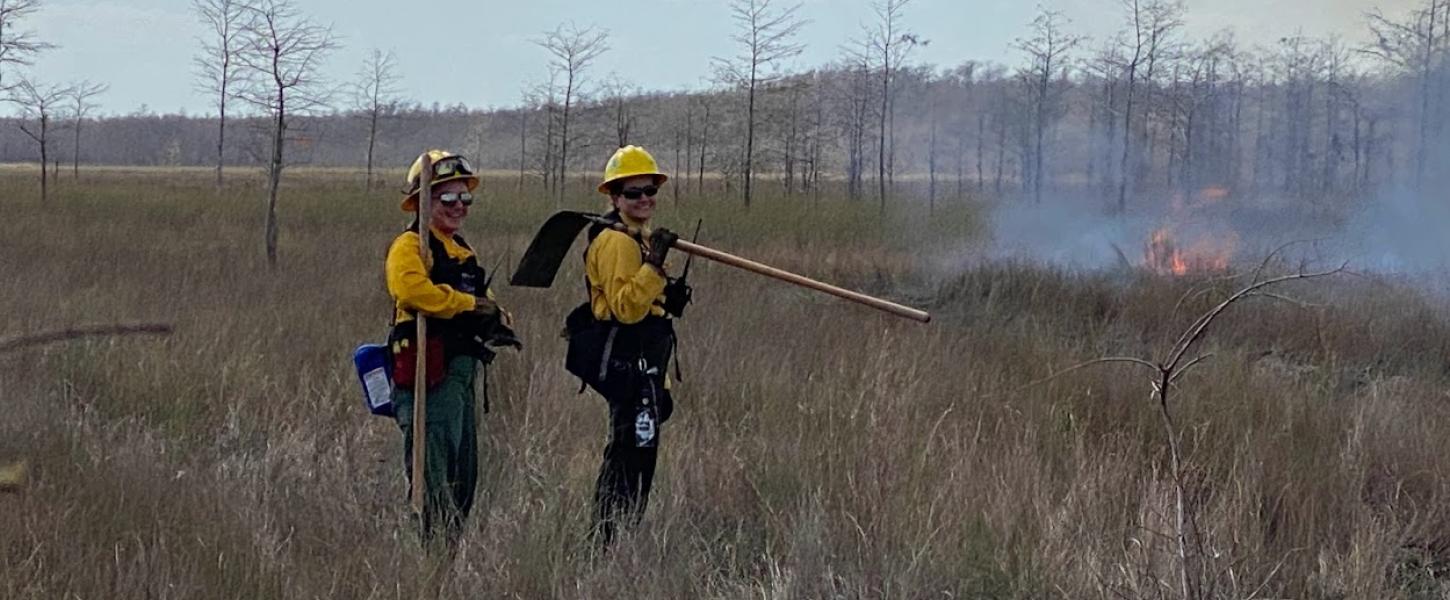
(451, 447)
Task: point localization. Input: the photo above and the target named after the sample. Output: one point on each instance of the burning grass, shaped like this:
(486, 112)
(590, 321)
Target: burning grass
(820, 450)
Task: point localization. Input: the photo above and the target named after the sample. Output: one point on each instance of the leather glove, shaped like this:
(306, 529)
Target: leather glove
(484, 306)
(677, 295)
(660, 242)
(503, 336)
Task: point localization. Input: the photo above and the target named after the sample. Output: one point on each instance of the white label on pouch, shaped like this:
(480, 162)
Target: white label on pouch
(379, 389)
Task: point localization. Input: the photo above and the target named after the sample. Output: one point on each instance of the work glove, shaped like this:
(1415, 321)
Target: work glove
(660, 242)
(677, 295)
(485, 306)
(503, 336)
(491, 325)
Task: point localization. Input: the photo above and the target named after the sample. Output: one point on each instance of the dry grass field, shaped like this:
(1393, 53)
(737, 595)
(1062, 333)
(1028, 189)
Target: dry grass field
(819, 450)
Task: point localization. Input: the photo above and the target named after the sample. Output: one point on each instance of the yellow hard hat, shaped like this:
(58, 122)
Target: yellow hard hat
(447, 166)
(630, 161)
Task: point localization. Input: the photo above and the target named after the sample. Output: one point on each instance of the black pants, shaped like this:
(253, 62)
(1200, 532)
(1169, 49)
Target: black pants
(627, 472)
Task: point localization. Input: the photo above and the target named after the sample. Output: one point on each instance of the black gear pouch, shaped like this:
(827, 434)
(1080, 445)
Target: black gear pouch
(587, 355)
(610, 357)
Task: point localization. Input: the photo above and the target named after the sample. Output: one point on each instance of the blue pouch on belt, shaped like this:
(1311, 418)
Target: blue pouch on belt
(375, 372)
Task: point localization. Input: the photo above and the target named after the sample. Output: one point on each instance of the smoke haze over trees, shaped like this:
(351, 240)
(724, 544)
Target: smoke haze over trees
(1147, 109)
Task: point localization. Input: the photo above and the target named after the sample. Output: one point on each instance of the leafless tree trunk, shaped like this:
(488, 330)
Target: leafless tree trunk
(931, 151)
(1151, 26)
(1048, 50)
(856, 99)
(81, 106)
(890, 45)
(573, 50)
(764, 35)
(981, 148)
(18, 47)
(684, 167)
(523, 144)
(704, 146)
(217, 66)
(38, 103)
(544, 97)
(1413, 45)
(1001, 118)
(284, 50)
(375, 95)
(617, 94)
(817, 147)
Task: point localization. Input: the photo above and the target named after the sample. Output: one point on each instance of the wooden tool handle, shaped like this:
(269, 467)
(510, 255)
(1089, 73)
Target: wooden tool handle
(801, 280)
(694, 249)
(420, 351)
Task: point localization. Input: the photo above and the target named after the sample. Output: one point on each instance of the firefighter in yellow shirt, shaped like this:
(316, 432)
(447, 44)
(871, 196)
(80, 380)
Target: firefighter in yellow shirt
(625, 327)
(464, 324)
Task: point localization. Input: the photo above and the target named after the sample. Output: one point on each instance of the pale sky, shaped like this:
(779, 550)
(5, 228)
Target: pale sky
(480, 53)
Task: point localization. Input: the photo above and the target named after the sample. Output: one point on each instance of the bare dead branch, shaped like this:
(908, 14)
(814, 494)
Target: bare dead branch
(1196, 331)
(19, 342)
(1188, 366)
(18, 47)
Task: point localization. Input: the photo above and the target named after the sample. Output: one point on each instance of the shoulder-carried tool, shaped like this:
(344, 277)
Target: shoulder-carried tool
(551, 244)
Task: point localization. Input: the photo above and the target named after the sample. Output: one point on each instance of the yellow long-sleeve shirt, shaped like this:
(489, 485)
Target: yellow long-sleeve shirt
(413, 291)
(621, 287)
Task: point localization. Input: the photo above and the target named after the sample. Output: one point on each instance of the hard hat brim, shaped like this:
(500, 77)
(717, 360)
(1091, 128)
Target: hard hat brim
(410, 202)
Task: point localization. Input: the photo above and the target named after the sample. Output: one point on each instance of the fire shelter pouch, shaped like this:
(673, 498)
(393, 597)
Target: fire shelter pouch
(405, 361)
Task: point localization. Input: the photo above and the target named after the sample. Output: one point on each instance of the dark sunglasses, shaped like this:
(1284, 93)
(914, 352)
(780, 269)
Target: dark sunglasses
(451, 198)
(636, 193)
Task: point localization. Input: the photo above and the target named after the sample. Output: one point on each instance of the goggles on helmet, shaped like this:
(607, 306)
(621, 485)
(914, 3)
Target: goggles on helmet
(450, 166)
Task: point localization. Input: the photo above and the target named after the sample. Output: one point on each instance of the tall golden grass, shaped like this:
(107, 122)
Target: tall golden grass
(819, 449)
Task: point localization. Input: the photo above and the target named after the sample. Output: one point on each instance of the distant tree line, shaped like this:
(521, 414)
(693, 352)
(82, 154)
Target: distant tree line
(1145, 110)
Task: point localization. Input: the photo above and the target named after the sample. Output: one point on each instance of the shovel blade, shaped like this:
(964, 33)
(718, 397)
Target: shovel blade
(546, 252)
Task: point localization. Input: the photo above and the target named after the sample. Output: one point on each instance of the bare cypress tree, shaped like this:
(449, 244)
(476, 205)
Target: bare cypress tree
(573, 50)
(524, 109)
(617, 94)
(284, 51)
(764, 35)
(705, 106)
(1048, 49)
(17, 47)
(375, 95)
(1413, 45)
(542, 97)
(80, 106)
(38, 104)
(684, 184)
(858, 96)
(1151, 26)
(217, 66)
(931, 151)
(890, 43)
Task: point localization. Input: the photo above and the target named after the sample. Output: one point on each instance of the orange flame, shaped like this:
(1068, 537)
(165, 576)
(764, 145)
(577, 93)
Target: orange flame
(1163, 254)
